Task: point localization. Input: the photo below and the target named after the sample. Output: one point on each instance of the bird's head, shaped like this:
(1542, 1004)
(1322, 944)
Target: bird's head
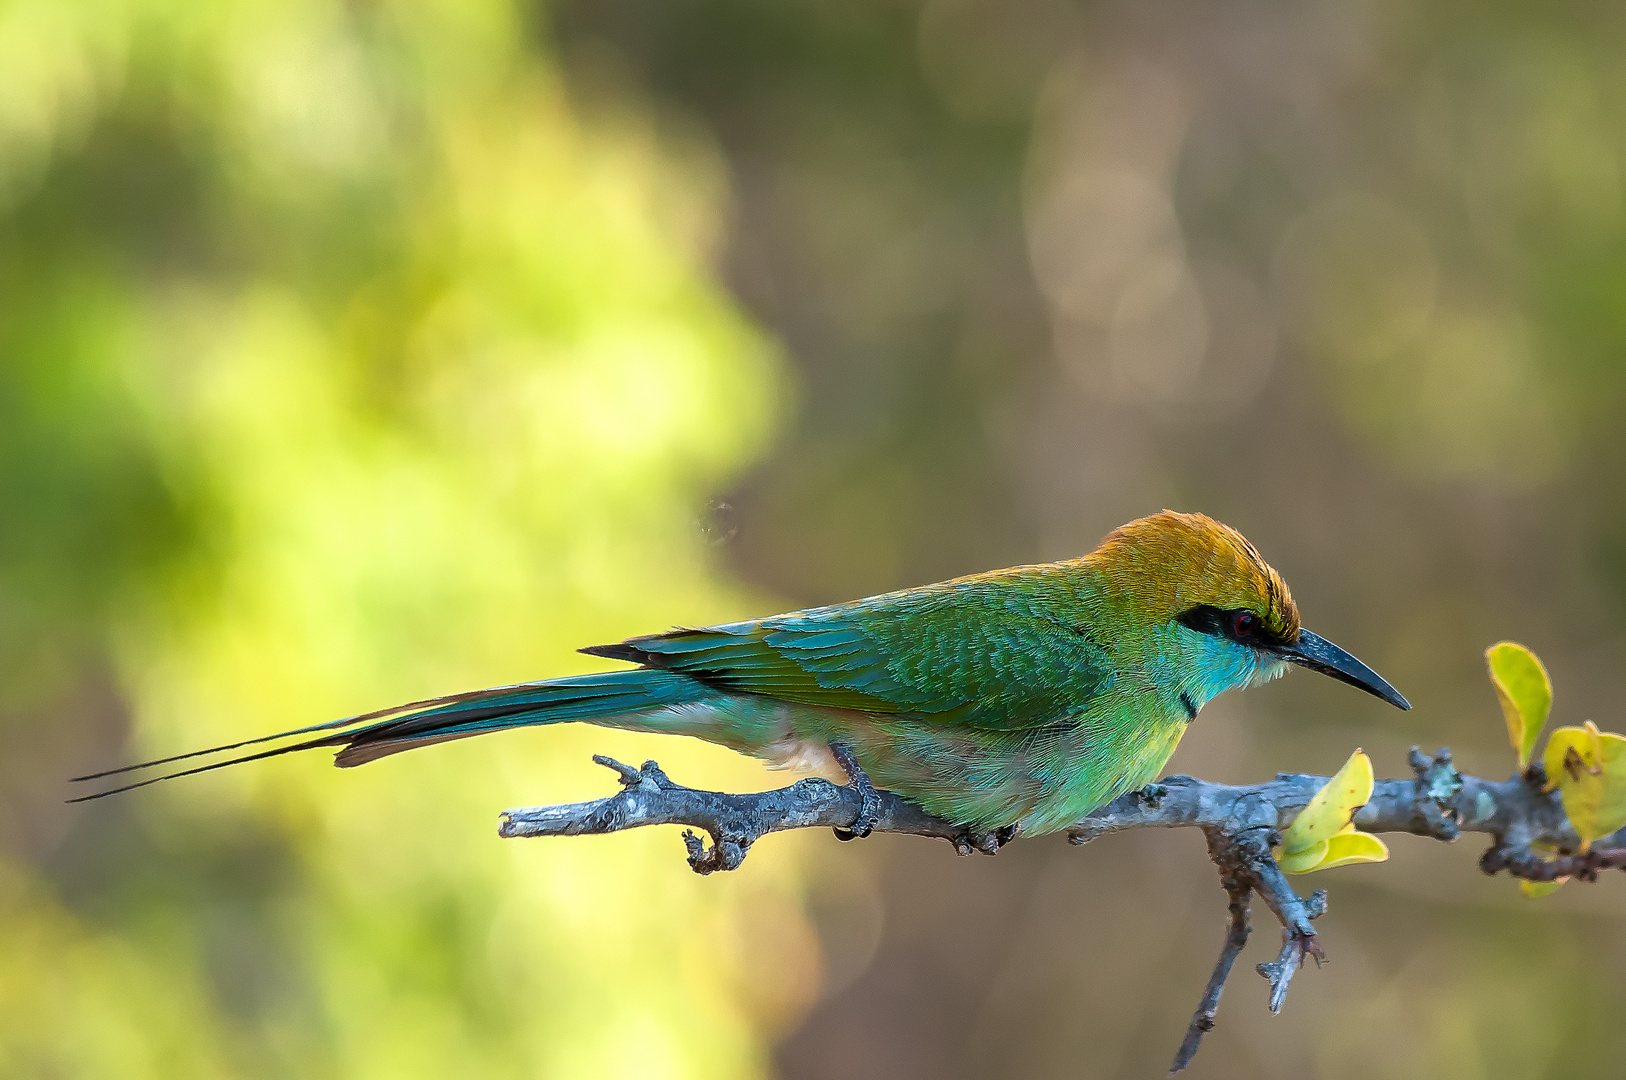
(1195, 576)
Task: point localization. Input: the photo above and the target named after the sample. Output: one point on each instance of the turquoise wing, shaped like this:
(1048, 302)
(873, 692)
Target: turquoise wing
(990, 662)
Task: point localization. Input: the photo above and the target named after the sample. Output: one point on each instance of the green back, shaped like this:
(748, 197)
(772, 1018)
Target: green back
(995, 652)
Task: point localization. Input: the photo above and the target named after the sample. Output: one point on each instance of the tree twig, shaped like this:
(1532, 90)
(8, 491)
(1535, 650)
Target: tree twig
(1531, 837)
(1240, 891)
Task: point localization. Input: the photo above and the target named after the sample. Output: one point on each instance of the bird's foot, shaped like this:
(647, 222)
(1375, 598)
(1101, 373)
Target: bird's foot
(986, 841)
(869, 812)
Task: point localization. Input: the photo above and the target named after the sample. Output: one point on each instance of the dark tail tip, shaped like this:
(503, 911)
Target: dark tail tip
(621, 650)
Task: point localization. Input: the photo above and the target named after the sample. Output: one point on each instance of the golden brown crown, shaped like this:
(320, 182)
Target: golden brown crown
(1172, 562)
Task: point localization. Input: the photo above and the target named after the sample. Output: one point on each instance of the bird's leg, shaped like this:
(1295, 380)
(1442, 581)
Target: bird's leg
(869, 803)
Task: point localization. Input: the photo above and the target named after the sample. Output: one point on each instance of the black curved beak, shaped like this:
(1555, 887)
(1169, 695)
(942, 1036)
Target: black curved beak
(1318, 654)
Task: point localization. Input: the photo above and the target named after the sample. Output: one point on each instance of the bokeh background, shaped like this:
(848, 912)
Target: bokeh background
(354, 352)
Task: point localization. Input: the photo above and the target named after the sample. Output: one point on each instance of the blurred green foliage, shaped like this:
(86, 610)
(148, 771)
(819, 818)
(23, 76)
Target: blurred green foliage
(345, 362)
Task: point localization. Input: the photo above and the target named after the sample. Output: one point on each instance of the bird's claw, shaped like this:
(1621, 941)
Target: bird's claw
(988, 842)
(869, 812)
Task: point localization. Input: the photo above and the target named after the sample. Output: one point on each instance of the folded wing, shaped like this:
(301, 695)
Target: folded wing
(992, 662)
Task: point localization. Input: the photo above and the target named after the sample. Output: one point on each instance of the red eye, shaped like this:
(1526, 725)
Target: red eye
(1243, 624)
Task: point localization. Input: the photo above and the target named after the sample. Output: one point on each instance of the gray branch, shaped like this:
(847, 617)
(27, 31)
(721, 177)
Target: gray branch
(1531, 838)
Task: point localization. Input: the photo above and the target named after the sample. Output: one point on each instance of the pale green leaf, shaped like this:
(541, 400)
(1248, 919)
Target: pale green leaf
(1525, 691)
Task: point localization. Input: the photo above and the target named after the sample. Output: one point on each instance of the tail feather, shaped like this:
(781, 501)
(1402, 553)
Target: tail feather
(583, 697)
(325, 726)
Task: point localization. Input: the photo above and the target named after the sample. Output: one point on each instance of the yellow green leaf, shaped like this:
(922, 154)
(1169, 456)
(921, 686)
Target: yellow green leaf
(1568, 749)
(1588, 767)
(1332, 808)
(1304, 860)
(1353, 846)
(1525, 691)
(1349, 846)
(1612, 805)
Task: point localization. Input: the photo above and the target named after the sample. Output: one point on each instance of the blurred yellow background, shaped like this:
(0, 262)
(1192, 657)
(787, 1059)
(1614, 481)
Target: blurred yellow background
(356, 352)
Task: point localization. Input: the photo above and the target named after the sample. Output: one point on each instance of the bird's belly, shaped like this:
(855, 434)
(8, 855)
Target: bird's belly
(1104, 769)
(1044, 778)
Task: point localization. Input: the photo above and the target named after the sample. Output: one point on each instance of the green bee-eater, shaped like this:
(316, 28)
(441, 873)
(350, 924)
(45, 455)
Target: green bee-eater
(1024, 697)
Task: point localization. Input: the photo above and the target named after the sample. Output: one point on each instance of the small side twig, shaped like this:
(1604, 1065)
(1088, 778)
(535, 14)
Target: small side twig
(1237, 933)
(1298, 941)
(1522, 861)
(1242, 852)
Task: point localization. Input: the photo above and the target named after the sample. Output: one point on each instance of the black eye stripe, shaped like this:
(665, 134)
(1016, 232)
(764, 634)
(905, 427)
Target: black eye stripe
(1205, 619)
(1236, 624)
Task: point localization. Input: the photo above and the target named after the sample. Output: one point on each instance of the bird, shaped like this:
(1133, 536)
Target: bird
(1015, 700)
